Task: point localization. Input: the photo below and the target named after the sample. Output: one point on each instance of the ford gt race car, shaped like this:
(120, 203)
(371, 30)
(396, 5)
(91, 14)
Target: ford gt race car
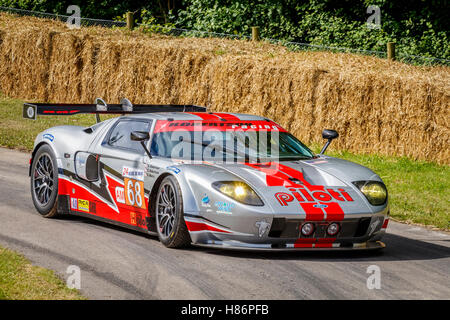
(190, 176)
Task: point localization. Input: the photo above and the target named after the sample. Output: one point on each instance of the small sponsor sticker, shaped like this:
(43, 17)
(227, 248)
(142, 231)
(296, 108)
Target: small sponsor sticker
(48, 136)
(83, 205)
(174, 169)
(133, 218)
(120, 195)
(74, 203)
(321, 206)
(133, 173)
(263, 227)
(224, 207)
(206, 203)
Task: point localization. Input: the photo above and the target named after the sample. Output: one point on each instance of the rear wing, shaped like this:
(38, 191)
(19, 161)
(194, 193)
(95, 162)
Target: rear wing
(31, 110)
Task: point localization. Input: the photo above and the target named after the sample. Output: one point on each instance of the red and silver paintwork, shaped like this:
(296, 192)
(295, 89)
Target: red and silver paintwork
(319, 190)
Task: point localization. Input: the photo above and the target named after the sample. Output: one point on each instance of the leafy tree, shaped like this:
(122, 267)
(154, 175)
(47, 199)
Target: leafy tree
(418, 27)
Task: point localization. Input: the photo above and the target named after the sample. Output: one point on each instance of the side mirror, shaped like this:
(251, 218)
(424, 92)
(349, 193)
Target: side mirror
(329, 135)
(141, 136)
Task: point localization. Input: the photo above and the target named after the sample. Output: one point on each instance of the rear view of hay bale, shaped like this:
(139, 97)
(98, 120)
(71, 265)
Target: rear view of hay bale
(377, 106)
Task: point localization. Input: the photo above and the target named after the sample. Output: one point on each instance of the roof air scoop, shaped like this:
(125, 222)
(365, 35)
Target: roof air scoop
(100, 106)
(126, 105)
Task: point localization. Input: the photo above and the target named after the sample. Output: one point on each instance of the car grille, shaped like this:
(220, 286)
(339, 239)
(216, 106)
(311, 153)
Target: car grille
(290, 228)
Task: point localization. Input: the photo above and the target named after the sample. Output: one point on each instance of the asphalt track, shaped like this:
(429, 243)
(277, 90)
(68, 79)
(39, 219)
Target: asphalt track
(118, 264)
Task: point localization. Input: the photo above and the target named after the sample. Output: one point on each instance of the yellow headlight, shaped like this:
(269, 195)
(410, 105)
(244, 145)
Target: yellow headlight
(374, 191)
(239, 191)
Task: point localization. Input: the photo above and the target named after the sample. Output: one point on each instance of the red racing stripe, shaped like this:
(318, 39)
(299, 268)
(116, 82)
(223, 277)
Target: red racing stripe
(204, 115)
(334, 212)
(312, 213)
(199, 226)
(324, 243)
(304, 243)
(227, 116)
(274, 177)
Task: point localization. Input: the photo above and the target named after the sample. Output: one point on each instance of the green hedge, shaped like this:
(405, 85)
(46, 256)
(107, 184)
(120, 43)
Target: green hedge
(418, 27)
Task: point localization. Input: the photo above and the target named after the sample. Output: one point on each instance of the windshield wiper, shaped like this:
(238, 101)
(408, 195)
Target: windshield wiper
(221, 148)
(295, 157)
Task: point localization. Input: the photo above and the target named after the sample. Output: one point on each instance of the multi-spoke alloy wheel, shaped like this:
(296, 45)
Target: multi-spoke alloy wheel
(166, 209)
(44, 181)
(170, 222)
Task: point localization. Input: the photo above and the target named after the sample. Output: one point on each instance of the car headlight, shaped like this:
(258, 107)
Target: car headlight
(374, 191)
(239, 191)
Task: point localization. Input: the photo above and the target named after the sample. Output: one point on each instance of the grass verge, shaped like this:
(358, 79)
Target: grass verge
(19, 280)
(419, 191)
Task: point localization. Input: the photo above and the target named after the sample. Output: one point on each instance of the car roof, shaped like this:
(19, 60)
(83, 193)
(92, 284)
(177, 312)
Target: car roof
(209, 116)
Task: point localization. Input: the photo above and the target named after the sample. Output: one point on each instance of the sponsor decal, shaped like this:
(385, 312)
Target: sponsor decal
(373, 226)
(224, 207)
(48, 136)
(31, 113)
(134, 193)
(92, 207)
(214, 123)
(205, 200)
(120, 194)
(151, 171)
(133, 173)
(136, 219)
(315, 200)
(174, 169)
(74, 203)
(263, 227)
(206, 203)
(83, 205)
(304, 195)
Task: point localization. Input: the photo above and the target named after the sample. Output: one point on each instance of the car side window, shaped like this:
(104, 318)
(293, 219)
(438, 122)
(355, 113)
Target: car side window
(120, 134)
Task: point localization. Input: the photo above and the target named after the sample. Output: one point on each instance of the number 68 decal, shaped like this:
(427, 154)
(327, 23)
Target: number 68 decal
(134, 193)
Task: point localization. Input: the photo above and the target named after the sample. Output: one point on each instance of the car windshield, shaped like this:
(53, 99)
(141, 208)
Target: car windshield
(226, 145)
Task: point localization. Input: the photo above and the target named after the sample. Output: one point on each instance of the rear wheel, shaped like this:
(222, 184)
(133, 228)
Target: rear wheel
(170, 224)
(44, 182)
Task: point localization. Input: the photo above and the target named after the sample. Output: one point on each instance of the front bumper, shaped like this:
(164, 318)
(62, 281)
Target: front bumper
(235, 245)
(282, 233)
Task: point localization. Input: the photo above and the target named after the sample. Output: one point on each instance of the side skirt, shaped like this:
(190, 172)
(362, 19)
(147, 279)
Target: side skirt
(64, 209)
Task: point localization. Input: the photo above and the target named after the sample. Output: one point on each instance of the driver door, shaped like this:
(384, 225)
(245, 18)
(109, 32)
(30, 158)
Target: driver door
(121, 166)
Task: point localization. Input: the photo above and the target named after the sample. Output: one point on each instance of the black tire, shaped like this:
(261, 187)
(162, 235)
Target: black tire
(44, 182)
(170, 224)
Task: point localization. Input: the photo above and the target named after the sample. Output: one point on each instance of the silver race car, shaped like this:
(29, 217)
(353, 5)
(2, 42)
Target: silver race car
(218, 180)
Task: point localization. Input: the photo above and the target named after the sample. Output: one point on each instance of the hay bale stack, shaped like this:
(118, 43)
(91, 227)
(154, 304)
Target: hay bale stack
(376, 105)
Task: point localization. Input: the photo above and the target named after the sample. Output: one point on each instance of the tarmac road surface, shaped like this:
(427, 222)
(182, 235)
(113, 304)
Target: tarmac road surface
(118, 264)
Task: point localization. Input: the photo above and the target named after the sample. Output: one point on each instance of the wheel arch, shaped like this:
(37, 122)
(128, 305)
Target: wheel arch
(33, 153)
(152, 198)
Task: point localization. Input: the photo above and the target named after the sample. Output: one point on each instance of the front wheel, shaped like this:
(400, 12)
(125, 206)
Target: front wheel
(170, 224)
(44, 182)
